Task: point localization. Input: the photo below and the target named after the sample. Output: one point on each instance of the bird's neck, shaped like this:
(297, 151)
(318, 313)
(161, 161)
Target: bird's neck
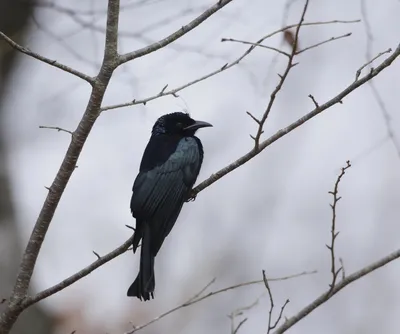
(158, 150)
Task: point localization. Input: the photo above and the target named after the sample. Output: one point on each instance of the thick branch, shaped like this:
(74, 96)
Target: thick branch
(177, 34)
(67, 167)
(51, 62)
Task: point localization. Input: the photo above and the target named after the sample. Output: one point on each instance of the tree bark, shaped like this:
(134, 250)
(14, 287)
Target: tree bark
(14, 15)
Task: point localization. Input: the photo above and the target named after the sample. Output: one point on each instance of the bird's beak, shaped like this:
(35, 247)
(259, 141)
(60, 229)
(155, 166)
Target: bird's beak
(197, 125)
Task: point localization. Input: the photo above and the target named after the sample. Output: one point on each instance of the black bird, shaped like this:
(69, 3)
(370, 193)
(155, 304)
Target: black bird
(170, 165)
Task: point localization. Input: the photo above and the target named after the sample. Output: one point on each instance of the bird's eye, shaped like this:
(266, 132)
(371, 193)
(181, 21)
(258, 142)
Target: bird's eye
(179, 125)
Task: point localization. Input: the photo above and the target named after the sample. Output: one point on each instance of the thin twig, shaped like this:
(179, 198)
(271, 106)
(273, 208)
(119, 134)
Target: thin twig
(323, 42)
(343, 270)
(192, 301)
(255, 44)
(97, 255)
(334, 234)
(240, 311)
(284, 131)
(358, 73)
(375, 92)
(48, 61)
(177, 34)
(271, 308)
(253, 117)
(173, 92)
(283, 77)
(314, 100)
(289, 323)
(56, 128)
(239, 325)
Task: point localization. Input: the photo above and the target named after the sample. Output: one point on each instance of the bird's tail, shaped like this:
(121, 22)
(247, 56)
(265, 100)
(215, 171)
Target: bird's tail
(144, 284)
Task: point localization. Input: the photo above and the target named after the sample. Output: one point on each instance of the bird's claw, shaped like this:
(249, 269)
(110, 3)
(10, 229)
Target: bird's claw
(192, 196)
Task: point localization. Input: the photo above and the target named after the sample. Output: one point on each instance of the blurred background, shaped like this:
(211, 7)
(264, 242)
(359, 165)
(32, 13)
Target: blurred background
(272, 213)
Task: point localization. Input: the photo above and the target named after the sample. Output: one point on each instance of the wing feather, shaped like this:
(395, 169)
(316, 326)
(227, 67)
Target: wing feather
(159, 194)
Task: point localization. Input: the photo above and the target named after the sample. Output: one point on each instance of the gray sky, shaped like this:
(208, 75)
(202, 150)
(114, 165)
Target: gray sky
(273, 213)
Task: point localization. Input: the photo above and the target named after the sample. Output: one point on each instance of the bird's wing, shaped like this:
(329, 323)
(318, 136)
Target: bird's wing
(158, 194)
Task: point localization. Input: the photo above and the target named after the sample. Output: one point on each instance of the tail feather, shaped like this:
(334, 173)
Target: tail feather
(144, 284)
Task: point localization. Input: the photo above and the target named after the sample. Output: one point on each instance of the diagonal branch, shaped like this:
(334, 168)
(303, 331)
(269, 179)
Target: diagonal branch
(174, 91)
(51, 62)
(323, 42)
(199, 298)
(255, 44)
(338, 287)
(79, 275)
(283, 132)
(174, 36)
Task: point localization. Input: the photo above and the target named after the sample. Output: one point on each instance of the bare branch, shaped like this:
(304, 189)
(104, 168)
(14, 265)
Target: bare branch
(239, 312)
(342, 265)
(253, 117)
(220, 69)
(283, 132)
(375, 91)
(334, 234)
(48, 61)
(323, 42)
(358, 73)
(56, 128)
(31, 253)
(271, 301)
(314, 101)
(199, 298)
(101, 260)
(283, 77)
(239, 325)
(255, 44)
(97, 255)
(338, 287)
(177, 34)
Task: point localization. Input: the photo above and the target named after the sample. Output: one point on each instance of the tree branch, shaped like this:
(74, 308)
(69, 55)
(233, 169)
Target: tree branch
(199, 298)
(331, 292)
(177, 34)
(334, 234)
(283, 132)
(255, 44)
(79, 275)
(173, 92)
(56, 128)
(323, 42)
(272, 305)
(375, 92)
(31, 253)
(48, 61)
(283, 77)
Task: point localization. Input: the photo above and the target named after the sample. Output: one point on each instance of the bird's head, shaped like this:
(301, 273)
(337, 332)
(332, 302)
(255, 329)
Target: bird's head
(178, 123)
